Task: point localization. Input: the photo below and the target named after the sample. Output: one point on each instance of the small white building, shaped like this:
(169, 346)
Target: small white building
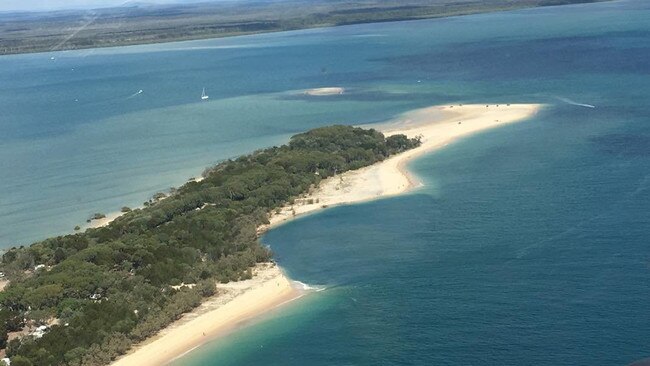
(40, 331)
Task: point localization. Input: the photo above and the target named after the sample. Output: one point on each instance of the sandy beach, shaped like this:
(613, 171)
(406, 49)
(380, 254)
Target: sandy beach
(103, 221)
(269, 288)
(233, 304)
(438, 126)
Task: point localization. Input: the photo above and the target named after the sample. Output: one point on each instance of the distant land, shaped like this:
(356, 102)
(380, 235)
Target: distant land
(143, 23)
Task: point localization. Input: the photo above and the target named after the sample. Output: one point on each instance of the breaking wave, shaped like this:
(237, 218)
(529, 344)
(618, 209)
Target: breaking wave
(305, 287)
(572, 102)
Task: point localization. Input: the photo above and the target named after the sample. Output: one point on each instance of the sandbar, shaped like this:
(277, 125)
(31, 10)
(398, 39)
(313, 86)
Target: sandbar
(319, 92)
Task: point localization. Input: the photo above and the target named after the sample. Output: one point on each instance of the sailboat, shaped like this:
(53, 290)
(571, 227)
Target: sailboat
(204, 96)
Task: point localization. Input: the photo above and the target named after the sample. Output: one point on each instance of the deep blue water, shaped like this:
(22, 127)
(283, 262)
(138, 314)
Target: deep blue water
(526, 245)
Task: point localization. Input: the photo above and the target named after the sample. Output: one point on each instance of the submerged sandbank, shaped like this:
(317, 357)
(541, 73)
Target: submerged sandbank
(234, 303)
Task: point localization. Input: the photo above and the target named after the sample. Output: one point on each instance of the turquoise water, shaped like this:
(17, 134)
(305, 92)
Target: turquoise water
(527, 244)
(77, 138)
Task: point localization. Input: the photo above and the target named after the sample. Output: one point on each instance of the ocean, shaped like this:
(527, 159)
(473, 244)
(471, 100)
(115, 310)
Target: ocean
(526, 244)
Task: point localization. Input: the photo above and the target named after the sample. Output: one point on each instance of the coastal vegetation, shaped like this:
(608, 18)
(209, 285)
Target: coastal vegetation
(85, 298)
(142, 23)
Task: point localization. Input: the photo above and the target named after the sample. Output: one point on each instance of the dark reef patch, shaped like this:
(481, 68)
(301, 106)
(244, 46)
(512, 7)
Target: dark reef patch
(624, 144)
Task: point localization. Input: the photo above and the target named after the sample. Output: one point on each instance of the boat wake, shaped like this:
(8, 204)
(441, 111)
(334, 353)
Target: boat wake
(135, 94)
(305, 287)
(569, 101)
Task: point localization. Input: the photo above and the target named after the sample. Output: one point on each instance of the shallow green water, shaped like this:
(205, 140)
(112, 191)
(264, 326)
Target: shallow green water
(527, 244)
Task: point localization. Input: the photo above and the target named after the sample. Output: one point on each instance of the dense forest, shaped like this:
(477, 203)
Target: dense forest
(86, 298)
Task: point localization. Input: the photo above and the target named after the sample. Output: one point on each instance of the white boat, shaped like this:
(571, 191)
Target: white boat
(204, 96)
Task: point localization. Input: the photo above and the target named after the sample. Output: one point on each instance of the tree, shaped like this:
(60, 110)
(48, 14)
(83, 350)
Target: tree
(74, 355)
(3, 335)
(21, 361)
(111, 286)
(59, 255)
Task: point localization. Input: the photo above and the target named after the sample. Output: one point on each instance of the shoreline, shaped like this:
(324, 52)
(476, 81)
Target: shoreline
(111, 216)
(438, 126)
(101, 43)
(237, 302)
(233, 305)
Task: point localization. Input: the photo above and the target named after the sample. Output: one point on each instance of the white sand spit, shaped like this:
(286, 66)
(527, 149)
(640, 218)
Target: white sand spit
(319, 92)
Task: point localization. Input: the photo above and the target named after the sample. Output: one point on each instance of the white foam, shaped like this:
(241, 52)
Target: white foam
(135, 94)
(305, 287)
(569, 101)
